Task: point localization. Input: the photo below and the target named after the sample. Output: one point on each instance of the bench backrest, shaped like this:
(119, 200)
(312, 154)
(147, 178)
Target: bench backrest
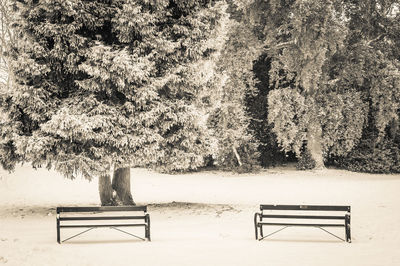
(102, 209)
(305, 207)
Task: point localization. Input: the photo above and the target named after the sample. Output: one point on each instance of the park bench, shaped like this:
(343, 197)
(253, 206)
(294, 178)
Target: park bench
(113, 217)
(318, 216)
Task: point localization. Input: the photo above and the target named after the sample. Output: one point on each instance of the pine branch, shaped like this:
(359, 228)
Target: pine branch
(282, 45)
(368, 43)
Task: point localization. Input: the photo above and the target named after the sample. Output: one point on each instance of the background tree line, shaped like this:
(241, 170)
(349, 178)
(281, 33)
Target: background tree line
(100, 86)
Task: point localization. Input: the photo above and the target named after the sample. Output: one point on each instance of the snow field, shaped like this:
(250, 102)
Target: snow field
(202, 219)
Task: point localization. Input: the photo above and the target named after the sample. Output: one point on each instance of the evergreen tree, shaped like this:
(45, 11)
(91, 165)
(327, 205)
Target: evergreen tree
(229, 119)
(106, 85)
(342, 57)
(310, 110)
(370, 64)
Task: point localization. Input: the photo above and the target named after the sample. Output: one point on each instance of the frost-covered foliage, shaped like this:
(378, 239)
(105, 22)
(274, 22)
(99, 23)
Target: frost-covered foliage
(107, 83)
(342, 117)
(332, 53)
(288, 114)
(385, 94)
(370, 64)
(229, 119)
(335, 70)
(310, 34)
(167, 83)
(373, 157)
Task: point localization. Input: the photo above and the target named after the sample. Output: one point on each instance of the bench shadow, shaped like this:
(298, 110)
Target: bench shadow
(302, 240)
(120, 241)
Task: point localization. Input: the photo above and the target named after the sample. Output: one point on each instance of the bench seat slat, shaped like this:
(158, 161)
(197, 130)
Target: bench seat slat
(326, 217)
(100, 225)
(305, 207)
(301, 224)
(102, 218)
(102, 208)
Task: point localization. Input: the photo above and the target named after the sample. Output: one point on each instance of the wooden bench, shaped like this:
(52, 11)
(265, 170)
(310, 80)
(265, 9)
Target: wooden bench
(299, 215)
(112, 217)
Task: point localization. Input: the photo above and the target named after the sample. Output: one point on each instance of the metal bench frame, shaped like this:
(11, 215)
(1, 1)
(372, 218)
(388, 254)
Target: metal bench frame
(116, 218)
(261, 219)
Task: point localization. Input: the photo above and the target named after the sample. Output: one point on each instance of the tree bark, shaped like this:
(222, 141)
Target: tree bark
(119, 191)
(237, 155)
(105, 191)
(121, 184)
(314, 144)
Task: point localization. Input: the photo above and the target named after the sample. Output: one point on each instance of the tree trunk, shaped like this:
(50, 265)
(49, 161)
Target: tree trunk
(314, 144)
(105, 191)
(119, 191)
(122, 185)
(237, 155)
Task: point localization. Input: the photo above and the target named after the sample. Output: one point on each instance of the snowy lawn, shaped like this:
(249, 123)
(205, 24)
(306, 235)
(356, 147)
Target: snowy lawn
(202, 219)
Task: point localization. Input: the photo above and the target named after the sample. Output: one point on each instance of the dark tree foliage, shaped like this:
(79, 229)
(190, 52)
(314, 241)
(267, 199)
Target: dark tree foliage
(270, 153)
(372, 156)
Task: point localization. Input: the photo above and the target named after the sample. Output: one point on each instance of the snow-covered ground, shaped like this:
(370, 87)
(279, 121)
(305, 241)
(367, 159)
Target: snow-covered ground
(203, 219)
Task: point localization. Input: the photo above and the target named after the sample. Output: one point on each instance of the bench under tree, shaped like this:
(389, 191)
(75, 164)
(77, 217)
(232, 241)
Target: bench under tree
(114, 217)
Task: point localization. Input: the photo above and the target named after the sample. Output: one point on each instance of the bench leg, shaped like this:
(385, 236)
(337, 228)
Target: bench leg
(147, 235)
(58, 231)
(347, 225)
(147, 228)
(261, 227)
(255, 225)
